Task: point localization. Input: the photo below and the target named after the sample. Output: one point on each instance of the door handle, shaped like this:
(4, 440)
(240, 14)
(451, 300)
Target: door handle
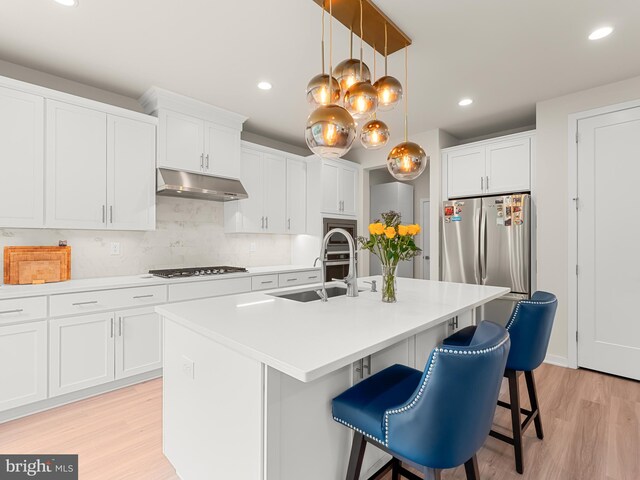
(207, 162)
(78, 304)
(262, 220)
(266, 223)
(289, 224)
(104, 213)
(119, 326)
(112, 327)
(144, 296)
(483, 245)
(7, 312)
(487, 183)
(202, 161)
(482, 184)
(110, 213)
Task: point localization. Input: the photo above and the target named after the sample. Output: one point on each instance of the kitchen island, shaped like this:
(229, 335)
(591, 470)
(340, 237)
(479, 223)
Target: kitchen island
(248, 379)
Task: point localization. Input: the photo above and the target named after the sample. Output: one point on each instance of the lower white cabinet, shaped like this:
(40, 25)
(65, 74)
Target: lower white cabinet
(90, 350)
(81, 352)
(138, 342)
(23, 364)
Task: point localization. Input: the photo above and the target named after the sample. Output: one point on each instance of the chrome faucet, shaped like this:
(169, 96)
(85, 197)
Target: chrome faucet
(351, 279)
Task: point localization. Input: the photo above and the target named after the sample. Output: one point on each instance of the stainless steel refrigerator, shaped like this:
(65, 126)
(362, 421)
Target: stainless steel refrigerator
(487, 241)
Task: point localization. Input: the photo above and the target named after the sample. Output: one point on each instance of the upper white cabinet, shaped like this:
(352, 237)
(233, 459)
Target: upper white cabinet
(339, 188)
(194, 136)
(496, 166)
(100, 170)
(296, 196)
(276, 184)
(76, 166)
(21, 159)
(131, 186)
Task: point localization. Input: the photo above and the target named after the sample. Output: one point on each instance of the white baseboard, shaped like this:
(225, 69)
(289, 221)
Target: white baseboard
(558, 360)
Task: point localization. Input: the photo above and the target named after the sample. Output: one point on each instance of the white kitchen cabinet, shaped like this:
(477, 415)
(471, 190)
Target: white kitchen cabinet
(76, 166)
(491, 167)
(181, 142)
(81, 352)
(339, 188)
(23, 364)
(277, 194)
(221, 150)
(138, 342)
(296, 196)
(100, 170)
(21, 159)
(131, 162)
(466, 172)
(508, 166)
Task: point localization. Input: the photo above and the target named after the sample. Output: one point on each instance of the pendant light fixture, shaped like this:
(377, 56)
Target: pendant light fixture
(348, 71)
(407, 160)
(375, 133)
(389, 88)
(361, 99)
(323, 89)
(330, 129)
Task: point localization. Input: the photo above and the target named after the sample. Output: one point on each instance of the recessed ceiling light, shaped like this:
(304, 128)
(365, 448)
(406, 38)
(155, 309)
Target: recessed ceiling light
(264, 86)
(465, 102)
(67, 3)
(600, 33)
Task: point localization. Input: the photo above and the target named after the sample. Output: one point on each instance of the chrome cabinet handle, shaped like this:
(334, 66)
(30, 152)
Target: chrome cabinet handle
(262, 219)
(7, 312)
(289, 224)
(207, 161)
(92, 302)
(313, 277)
(144, 296)
(487, 182)
(266, 283)
(111, 213)
(202, 161)
(482, 184)
(291, 279)
(112, 327)
(266, 223)
(119, 326)
(104, 213)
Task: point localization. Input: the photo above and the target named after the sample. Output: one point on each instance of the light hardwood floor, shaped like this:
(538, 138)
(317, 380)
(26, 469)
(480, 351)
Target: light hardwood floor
(591, 422)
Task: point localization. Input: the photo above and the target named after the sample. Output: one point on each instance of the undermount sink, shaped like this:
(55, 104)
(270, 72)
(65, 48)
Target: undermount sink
(312, 295)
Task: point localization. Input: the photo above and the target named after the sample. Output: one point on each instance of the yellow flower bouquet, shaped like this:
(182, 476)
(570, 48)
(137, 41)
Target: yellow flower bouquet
(391, 242)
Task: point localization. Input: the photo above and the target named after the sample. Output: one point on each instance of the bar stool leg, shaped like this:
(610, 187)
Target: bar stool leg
(471, 468)
(533, 400)
(395, 470)
(514, 397)
(357, 455)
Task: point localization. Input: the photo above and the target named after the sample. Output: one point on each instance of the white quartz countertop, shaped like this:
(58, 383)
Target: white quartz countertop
(309, 340)
(103, 283)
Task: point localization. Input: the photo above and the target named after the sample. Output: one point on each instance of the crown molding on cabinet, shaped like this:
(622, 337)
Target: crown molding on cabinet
(157, 98)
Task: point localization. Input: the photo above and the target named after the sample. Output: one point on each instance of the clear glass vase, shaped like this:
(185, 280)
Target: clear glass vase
(389, 275)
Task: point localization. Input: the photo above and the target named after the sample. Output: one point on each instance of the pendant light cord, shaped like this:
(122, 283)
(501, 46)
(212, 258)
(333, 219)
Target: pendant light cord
(385, 49)
(322, 43)
(361, 35)
(375, 117)
(406, 91)
(330, 49)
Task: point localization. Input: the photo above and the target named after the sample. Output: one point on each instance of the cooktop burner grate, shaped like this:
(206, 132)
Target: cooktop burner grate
(196, 271)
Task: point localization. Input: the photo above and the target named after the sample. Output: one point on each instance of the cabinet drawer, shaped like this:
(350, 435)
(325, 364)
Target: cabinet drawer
(22, 309)
(264, 282)
(78, 303)
(213, 288)
(299, 278)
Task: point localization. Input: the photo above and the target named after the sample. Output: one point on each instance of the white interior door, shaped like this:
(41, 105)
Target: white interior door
(608, 239)
(426, 241)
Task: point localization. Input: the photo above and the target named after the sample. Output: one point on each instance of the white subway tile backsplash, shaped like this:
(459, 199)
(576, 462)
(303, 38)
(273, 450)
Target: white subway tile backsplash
(189, 233)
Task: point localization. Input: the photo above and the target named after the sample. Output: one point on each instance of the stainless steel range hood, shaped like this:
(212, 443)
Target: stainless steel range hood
(176, 183)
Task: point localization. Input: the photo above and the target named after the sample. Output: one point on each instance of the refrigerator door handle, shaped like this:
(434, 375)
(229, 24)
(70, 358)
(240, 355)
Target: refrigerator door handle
(483, 245)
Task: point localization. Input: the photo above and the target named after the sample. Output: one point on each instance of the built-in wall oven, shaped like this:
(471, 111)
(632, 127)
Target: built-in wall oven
(337, 265)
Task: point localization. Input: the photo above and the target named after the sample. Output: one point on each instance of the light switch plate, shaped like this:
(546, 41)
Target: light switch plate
(252, 247)
(188, 367)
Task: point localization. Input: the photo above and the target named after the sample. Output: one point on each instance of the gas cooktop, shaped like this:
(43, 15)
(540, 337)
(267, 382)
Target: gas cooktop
(196, 271)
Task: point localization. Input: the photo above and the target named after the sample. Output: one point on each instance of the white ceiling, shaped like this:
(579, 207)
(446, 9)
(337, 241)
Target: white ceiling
(505, 54)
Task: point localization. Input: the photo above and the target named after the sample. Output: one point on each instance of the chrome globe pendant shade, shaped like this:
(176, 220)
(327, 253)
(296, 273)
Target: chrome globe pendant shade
(407, 160)
(330, 129)
(389, 88)
(349, 71)
(375, 133)
(323, 89)
(361, 99)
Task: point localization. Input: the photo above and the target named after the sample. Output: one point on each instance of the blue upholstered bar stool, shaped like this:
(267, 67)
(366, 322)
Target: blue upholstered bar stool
(429, 420)
(530, 328)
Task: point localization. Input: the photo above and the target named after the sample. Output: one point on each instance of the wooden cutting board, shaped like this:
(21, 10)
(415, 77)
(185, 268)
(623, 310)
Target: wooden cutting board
(36, 265)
